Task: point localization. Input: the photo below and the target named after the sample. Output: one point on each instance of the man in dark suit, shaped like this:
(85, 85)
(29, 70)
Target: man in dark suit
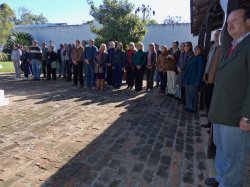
(230, 106)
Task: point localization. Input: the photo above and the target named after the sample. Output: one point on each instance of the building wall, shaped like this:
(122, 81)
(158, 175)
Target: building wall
(162, 34)
(165, 34)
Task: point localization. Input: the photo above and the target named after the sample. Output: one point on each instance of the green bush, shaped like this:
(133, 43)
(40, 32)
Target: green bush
(21, 38)
(4, 57)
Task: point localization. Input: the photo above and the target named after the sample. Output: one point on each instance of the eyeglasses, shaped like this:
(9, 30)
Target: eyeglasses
(186, 46)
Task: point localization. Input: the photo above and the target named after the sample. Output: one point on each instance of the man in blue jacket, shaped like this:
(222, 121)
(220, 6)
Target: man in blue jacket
(89, 56)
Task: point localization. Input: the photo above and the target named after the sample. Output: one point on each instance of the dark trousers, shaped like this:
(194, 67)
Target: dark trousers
(150, 78)
(110, 75)
(130, 76)
(26, 69)
(192, 97)
(68, 69)
(118, 76)
(209, 92)
(163, 81)
(44, 64)
(78, 73)
(202, 100)
(139, 73)
(183, 94)
(50, 71)
(157, 78)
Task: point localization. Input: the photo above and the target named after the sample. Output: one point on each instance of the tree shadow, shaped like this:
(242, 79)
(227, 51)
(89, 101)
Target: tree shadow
(138, 149)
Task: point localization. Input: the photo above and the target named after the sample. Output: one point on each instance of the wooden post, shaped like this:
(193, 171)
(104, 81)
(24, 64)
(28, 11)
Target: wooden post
(208, 33)
(202, 35)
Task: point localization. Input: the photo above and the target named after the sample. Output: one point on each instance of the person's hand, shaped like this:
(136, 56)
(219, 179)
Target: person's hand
(109, 64)
(113, 67)
(244, 126)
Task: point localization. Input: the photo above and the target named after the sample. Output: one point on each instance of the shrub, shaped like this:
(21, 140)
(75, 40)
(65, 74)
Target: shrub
(21, 38)
(4, 57)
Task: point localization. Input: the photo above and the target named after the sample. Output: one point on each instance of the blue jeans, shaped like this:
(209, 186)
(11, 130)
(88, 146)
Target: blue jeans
(192, 97)
(90, 76)
(118, 76)
(232, 146)
(36, 68)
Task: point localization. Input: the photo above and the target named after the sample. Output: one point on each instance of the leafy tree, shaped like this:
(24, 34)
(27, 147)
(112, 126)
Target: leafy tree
(174, 20)
(27, 17)
(21, 38)
(146, 11)
(117, 22)
(6, 22)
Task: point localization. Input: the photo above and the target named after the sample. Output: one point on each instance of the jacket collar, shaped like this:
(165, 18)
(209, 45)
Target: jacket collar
(225, 60)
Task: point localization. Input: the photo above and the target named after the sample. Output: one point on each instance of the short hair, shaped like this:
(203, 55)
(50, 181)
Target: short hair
(177, 43)
(112, 44)
(246, 14)
(152, 45)
(199, 47)
(164, 46)
(78, 41)
(103, 45)
(132, 44)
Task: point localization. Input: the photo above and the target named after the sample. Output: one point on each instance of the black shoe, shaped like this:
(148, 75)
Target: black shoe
(208, 131)
(74, 85)
(211, 182)
(206, 125)
(131, 87)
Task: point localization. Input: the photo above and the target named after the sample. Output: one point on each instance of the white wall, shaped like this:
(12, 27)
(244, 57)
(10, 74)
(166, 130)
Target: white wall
(161, 34)
(59, 34)
(165, 34)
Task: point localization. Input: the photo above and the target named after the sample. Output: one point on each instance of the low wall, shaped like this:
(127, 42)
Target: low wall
(162, 33)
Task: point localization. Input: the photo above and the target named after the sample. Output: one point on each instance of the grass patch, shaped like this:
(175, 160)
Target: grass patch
(7, 67)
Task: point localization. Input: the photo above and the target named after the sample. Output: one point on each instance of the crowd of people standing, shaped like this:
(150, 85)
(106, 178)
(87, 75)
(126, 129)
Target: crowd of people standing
(177, 71)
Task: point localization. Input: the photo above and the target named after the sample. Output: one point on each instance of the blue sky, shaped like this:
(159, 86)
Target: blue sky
(77, 11)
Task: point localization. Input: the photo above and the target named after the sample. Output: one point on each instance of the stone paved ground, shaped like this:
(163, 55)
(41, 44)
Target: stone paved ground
(55, 135)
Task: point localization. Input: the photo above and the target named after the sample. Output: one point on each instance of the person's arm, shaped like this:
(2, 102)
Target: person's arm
(245, 111)
(123, 59)
(201, 63)
(12, 56)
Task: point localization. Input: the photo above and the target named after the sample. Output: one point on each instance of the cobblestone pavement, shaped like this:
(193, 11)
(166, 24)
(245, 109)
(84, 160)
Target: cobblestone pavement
(56, 135)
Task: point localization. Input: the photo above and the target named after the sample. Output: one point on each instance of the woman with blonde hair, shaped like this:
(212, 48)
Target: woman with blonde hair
(99, 61)
(161, 66)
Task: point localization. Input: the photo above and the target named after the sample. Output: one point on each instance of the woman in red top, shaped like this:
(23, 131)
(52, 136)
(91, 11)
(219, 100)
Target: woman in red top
(129, 66)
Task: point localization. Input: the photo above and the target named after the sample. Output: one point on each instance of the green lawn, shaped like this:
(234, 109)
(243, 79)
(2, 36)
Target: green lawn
(7, 67)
